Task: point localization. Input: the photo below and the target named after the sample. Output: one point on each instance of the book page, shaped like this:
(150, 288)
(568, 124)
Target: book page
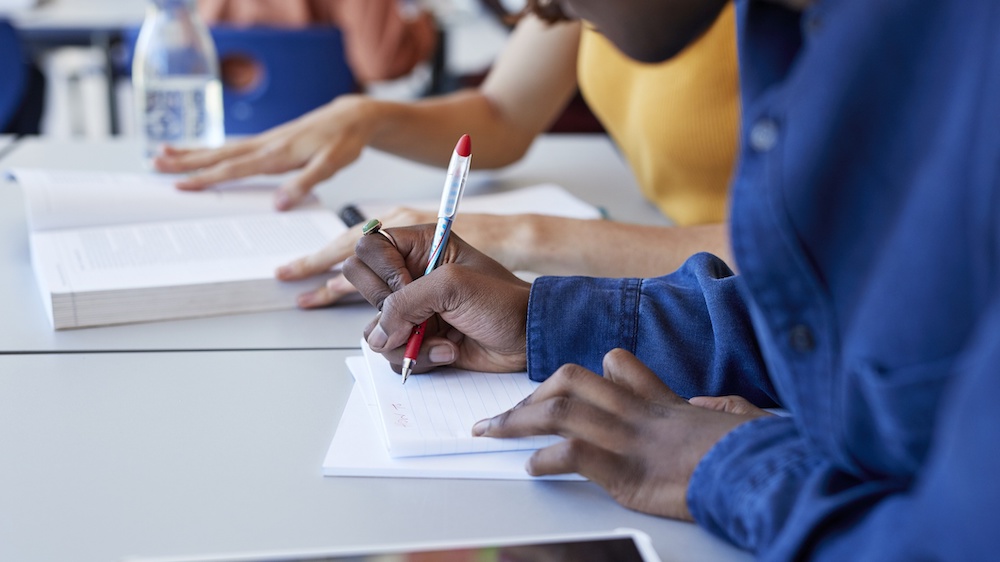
(168, 254)
(67, 199)
(433, 413)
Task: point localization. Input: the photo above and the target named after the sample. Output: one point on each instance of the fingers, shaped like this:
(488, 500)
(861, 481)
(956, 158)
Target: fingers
(573, 403)
(575, 456)
(333, 253)
(178, 160)
(436, 351)
(386, 274)
(628, 371)
(232, 168)
(332, 291)
(321, 166)
(729, 404)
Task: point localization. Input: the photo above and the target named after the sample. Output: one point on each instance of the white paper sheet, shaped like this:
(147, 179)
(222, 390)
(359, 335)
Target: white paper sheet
(433, 413)
(358, 449)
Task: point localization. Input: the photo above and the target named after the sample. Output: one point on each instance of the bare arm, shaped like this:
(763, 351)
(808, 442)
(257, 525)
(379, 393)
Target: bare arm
(526, 89)
(536, 243)
(503, 117)
(601, 248)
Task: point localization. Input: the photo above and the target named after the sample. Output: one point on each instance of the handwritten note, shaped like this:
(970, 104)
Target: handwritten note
(433, 414)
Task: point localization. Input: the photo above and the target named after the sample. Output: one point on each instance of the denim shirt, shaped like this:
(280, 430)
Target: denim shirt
(865, 225)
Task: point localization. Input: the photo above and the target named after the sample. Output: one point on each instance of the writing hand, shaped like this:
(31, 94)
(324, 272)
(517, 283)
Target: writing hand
(491, 234)
(320, 142)
(627, 431)
(476, 309)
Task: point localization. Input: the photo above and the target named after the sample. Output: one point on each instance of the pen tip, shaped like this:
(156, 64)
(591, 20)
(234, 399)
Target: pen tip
(407, 369)
(464, 146)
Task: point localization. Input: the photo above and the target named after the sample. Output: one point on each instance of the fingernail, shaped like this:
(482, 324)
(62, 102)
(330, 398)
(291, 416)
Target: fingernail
(283, 272)
(377, 339)
(282, 201)
(480, 428)
(441, 354)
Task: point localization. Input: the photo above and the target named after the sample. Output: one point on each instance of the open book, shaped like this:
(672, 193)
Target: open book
(117, 248)
(424, 431)
(112, 248)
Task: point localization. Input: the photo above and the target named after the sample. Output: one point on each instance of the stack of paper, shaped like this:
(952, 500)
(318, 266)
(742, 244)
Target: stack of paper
(424, 428)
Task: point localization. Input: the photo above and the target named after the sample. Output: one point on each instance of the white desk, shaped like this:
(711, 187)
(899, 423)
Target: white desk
(7, 143)
(586, 164)
(107, 455)
(85, 15)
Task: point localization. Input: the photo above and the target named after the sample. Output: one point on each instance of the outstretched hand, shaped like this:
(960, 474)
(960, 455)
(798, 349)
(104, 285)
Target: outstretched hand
(626, 431)
(320, 142)
(476, 309)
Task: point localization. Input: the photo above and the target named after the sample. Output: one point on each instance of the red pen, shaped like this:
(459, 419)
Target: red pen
(454, 186)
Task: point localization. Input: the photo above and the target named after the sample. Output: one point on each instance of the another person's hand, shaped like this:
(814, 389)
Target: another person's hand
(494, 235)
(625, 431)
(729, 404)
(476, 309)
(320, 142)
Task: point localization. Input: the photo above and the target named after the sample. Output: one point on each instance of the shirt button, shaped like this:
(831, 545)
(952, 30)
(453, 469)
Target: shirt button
(801, 338)
(764, 135)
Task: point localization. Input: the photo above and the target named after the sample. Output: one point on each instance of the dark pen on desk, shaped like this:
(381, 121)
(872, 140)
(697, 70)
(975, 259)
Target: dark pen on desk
(454, 186)
(351, 215)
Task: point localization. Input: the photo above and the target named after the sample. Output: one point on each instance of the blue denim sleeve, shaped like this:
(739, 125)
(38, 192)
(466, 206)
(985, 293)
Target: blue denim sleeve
(691, 327)
(768, 489)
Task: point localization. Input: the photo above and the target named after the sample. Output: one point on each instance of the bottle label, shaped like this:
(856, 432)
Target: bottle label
(184, 112)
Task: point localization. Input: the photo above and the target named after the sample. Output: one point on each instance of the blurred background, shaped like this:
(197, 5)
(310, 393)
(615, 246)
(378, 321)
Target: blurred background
(79, 85)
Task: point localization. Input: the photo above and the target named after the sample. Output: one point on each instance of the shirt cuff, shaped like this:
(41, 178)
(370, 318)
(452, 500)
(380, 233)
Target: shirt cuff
(578, 320)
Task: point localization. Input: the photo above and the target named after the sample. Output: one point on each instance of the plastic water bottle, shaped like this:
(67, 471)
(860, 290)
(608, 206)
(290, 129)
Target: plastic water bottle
(175, 76)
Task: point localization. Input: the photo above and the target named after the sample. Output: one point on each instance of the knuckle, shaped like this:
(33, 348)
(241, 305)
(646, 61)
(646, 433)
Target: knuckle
(449, 274)
(387, 304)
(498, 423)
(568, 375)
(615, 358)
(569, 455)
(351, 266)
(395, 279)
(557, 409)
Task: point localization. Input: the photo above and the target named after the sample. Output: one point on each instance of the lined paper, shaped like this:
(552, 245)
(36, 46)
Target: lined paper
(433, 413)
(358, 447)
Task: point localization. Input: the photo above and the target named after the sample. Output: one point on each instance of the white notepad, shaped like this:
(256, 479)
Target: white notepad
(433, 413)
(359, 446)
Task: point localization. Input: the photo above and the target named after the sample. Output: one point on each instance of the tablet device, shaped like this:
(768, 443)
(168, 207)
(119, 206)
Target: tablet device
(620, 545)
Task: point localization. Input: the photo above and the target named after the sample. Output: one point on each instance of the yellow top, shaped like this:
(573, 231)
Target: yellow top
(676, 122)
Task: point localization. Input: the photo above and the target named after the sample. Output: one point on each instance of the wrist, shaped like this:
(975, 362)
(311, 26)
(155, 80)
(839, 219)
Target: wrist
(359, 114)
(383, 119)
(518, 250)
